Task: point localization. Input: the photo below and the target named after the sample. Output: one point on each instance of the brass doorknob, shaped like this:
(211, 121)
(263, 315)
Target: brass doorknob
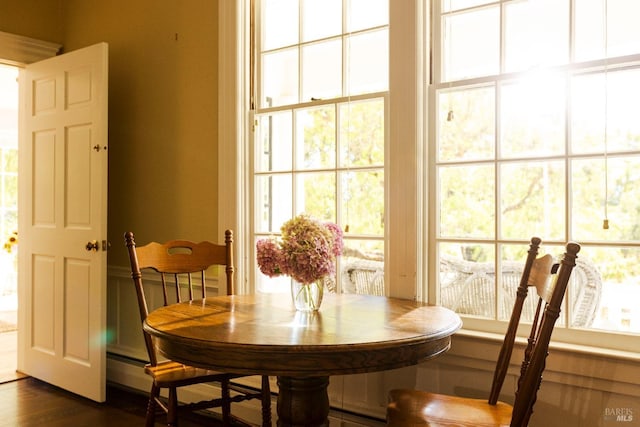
(92, 246)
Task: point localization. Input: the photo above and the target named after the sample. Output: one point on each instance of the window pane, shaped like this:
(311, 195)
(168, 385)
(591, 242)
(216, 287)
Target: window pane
(10, 191)
(589, 29)
(466, 201)
(613, 96)
(525, 45)
(467, 278)
(450, 5)
(623, 105)
(322, 70)
(362, 14)
(362, 133)
(316, 138)
(9, 223)
(532, 200)
(533, 117)
(280, 78)
(623, 204)
(588, 110)
(471, 44)
(274, 142)
(623, 32)
(362, 201)
(316, 195)
(10, 155)
(273, 204)
(371, 249)
(368, 65)
(466, 124)
(619, 268)
(321, 19)
(279, 23)
(362, 267)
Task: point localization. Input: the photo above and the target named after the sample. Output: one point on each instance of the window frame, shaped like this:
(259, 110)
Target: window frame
(409, 263)
(585, 338)
(401, 253)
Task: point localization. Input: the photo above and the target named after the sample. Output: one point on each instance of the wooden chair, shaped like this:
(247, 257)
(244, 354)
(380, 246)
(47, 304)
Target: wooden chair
(178, 262)
(418, 408)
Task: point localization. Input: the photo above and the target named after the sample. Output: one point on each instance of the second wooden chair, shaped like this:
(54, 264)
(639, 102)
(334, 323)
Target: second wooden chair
(413, 408)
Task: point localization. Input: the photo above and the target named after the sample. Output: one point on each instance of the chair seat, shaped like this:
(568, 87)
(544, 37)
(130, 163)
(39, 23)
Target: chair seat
(172, 374)
(413, 408)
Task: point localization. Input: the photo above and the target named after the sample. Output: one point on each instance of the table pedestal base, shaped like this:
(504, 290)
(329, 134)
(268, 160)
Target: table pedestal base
(303, 402)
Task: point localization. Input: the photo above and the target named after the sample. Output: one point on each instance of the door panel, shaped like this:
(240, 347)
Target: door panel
(63, 208)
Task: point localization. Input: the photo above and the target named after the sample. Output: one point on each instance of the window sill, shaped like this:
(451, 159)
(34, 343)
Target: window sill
(587, 350)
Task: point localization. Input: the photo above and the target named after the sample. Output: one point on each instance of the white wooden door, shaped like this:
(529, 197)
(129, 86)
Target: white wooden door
(62, 208)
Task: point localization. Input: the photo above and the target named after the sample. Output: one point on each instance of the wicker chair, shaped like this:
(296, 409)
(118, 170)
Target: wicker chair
(361, 273)
(469, 287)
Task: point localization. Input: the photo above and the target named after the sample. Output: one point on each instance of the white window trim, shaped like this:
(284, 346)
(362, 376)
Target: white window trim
(233, 61)
(406, 190)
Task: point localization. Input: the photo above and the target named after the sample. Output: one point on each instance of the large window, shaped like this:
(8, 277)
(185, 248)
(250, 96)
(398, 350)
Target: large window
(529, 115)
(535, 130)
(319, 145)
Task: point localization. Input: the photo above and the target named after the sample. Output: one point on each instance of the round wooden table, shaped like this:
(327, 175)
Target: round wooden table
(263, 334)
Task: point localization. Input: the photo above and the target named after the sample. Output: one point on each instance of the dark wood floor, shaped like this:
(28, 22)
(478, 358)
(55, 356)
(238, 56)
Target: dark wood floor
(29, 402)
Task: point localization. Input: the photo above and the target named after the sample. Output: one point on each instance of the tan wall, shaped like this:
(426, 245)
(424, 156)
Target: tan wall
(162, 106)
(38, 19)
(162, 114)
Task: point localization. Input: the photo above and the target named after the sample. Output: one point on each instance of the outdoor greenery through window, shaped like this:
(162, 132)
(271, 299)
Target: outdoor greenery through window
(535, 122)
(8, 184)
(319, 128)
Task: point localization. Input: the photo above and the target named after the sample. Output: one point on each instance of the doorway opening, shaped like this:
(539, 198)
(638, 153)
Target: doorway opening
(8, 221)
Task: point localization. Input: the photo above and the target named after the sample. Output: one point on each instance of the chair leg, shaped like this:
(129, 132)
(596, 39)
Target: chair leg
(172, 408)
(266, 402)
(226, 402)
(151, 406)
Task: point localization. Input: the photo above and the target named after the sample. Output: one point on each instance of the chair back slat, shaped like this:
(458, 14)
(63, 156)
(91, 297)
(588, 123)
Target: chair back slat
(203, 290)
(529, 382)
(176, 261)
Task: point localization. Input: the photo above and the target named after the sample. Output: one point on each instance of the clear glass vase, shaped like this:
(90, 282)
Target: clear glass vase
(307, 297)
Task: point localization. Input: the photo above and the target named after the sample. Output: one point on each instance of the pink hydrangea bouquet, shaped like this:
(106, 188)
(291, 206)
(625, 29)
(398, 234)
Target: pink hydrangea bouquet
(306, 251)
